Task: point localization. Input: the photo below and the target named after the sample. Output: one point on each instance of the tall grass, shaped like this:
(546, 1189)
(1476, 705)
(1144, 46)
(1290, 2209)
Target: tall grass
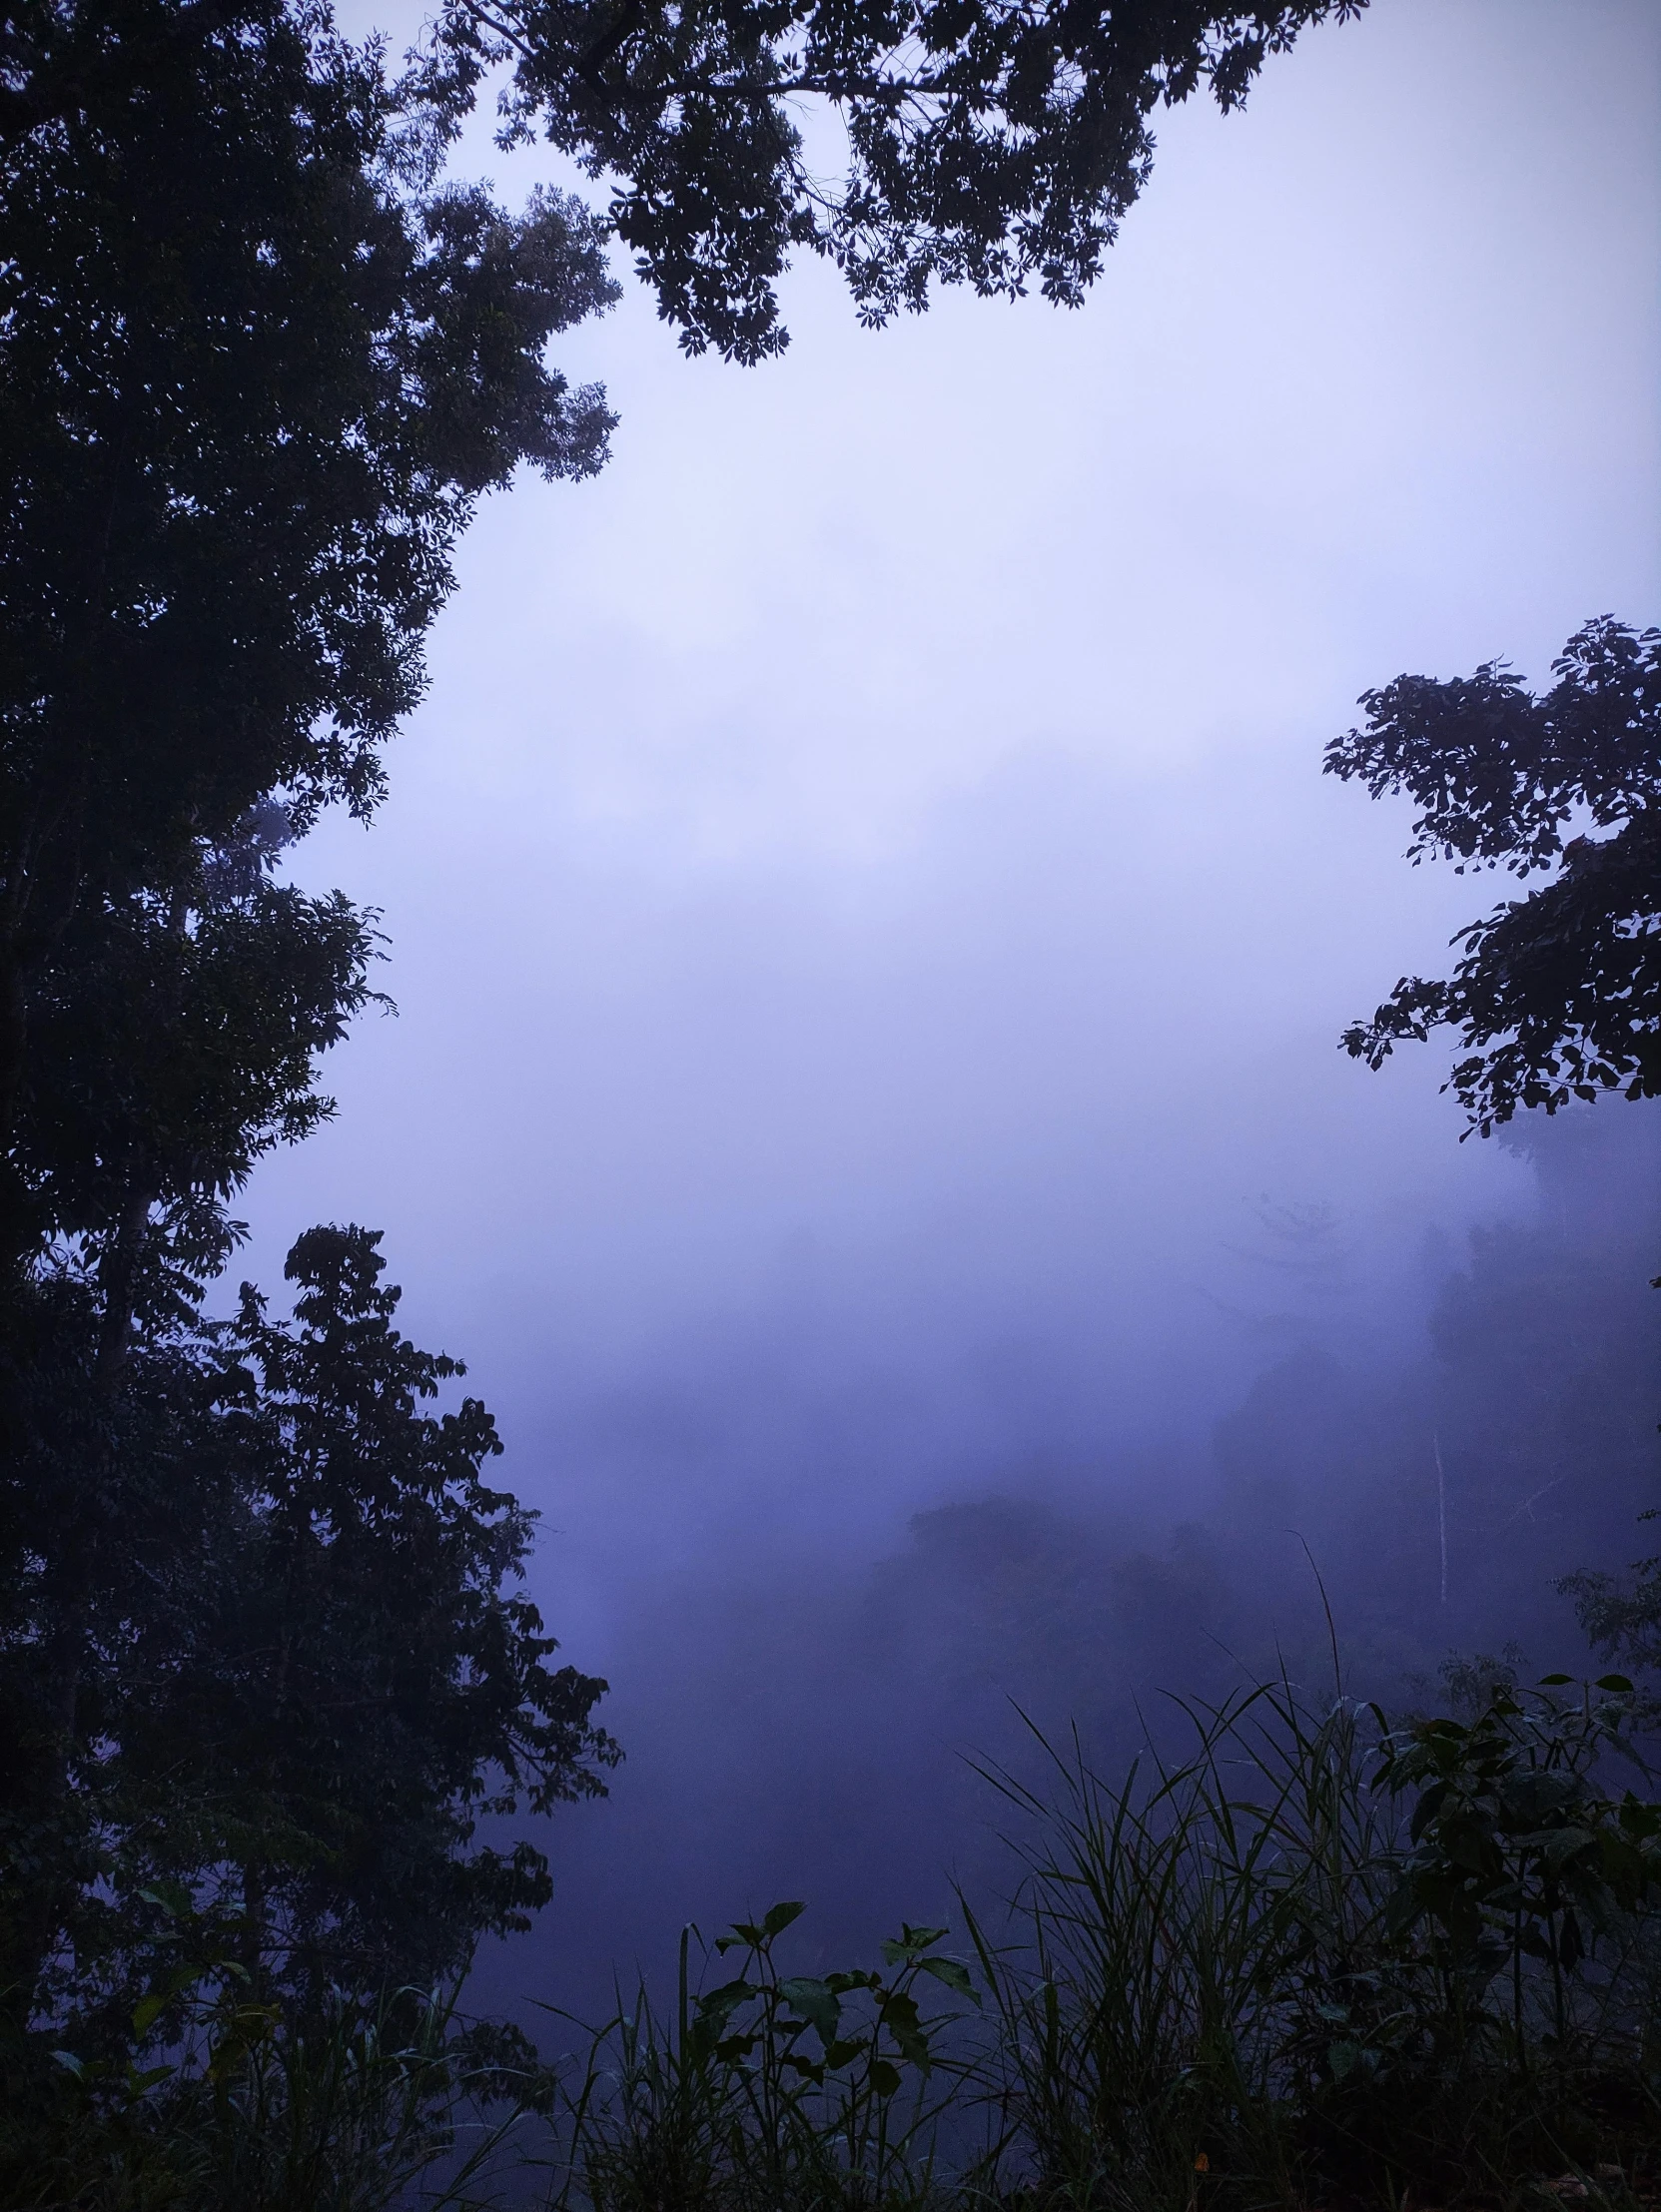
(767, 2092)
(1313, 1963)
(1258, 1974)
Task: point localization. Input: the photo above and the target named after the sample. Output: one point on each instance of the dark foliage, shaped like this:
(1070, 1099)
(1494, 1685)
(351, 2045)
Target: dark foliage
(174, 1040)
(301, 1674)
(986, 145)
(1558, 995)
(257, 365)
(255, 368)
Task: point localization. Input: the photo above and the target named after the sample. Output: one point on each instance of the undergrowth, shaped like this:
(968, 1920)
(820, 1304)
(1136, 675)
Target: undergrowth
(1315, 1962)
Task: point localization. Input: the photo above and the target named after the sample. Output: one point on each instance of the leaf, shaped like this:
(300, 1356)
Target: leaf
(170, 1898)
(954, 1974)
(70, 2063)
(911, 1941)
(1428, 1806)
(780, 1916)
(716, 2007)
(815, 2002)
(148, 2011)
(899, 2016)
(885, 2077)
(1571, 1944)
(1558, 1846)
(1616, 1683)
(840, 1984)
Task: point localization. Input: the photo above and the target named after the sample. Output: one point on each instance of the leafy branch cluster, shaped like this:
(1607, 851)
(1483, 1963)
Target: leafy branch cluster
(993, 143)
(1559, 993)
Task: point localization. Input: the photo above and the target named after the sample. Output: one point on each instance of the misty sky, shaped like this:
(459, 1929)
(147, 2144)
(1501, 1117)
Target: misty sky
(869, 929)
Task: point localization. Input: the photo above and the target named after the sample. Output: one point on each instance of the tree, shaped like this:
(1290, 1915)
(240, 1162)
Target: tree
(309, 1673)
(172, 1041)
(257, 367)
(1622, 1617)
(1558, 994)
(257, 364)
(987, 144)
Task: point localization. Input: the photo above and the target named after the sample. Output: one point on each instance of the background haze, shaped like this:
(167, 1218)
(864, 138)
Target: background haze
(871, 935)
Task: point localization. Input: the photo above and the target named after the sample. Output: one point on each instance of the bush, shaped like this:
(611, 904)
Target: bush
(1321, 1958)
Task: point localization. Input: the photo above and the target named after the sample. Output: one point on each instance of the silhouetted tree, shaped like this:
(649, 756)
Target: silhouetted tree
(986, 145)
(304, 1671)
(1558, 995)
(257, 367)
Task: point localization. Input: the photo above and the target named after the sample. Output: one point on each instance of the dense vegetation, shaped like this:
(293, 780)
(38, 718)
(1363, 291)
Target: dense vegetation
(273, 1701)
(264, 1667)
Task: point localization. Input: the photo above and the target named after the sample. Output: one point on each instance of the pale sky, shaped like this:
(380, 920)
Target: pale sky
(870, 930)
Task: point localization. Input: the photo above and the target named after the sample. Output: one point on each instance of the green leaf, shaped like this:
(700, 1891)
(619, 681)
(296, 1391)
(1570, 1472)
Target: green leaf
(1571, 1944)
(1617, 1683)
(780, 1918)
(954, 1974)
(815, 2002)
(69, 2062)
(884, 2078)
(899, 2016)
(716, 2007)
(1558, 1846)
(911, 1941)
(170, 1898)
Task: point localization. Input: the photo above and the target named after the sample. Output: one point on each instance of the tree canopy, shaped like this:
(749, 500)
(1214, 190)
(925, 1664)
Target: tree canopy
(304, 1671)
(257, 365)
(1558, 994)
(985, 144)
(263, 1659)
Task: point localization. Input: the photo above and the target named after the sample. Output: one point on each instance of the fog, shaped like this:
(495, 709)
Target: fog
(870, 937)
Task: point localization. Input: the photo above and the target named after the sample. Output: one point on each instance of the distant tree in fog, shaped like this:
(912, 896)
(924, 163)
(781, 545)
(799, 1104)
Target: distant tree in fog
(1558, 994)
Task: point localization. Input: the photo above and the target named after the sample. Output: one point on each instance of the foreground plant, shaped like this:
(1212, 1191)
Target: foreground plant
(350, 2111)
(768, 2089)
(1322, 1958)
(310, 1672)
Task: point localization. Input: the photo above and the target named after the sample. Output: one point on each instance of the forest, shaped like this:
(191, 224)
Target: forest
(1286, 1833)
